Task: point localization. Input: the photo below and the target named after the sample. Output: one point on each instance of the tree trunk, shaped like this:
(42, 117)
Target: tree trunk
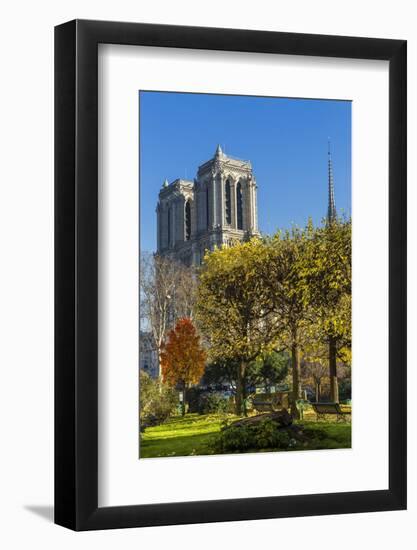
(334, 388)
(240, 401)
(160, 378)
(238, 397)
(184, 391)
(244, 404)
(296, 380)
(318, 388)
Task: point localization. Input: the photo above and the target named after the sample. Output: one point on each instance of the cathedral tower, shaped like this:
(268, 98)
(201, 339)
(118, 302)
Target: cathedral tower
(218, 208)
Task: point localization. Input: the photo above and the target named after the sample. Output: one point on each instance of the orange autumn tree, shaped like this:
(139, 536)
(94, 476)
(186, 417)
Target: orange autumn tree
(182, 358)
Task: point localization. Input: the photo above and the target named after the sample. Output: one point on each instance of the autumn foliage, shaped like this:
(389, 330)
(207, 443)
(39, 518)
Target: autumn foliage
(288, 292)
(183, 358)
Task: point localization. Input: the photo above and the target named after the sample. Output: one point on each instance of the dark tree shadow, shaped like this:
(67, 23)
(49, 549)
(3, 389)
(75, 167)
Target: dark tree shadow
(45, 512)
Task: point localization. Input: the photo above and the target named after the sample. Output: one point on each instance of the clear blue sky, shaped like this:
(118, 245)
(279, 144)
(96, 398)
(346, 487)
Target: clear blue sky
(285, 139)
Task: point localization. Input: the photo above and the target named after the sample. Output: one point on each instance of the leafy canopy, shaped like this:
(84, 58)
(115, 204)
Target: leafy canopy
(182, 358)
(232, 305)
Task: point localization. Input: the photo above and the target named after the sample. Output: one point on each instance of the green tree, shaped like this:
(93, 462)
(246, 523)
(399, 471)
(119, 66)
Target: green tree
(233, 311)
(269, 369)
(221, 372)
(284, 278)
(327, 271)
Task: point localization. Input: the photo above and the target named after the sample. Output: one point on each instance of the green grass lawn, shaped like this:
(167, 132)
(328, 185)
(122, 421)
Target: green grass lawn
(194, 434)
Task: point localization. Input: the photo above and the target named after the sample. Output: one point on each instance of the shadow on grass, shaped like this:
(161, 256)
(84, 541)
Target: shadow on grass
(182, 445)
(196, 434)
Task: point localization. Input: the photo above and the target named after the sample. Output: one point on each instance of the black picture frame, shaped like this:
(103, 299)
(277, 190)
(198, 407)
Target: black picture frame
(76, 272)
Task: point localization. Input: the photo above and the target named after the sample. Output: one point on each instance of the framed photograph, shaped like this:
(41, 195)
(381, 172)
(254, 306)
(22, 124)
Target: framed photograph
(230, 254)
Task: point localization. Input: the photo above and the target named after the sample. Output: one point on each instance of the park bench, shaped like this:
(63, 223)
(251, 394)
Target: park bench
(321, 409)
(270, 402)
(262, 406)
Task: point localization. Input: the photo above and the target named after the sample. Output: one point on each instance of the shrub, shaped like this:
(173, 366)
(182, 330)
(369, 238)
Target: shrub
(263, 435)
(236, 438)
(213, 403)
(156, 401)
(206, 402)
(269, 436)
(193, 398)
(345, 389)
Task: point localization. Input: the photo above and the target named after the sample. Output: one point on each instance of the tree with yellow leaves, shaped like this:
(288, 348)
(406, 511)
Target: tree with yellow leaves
(283, 274)
(327, 271)
(233, 309)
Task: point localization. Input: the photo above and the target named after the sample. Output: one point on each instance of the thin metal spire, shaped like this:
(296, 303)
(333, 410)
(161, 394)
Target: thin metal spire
(331, 209)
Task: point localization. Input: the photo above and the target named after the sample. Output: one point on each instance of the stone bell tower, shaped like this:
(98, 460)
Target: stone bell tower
(218, 208)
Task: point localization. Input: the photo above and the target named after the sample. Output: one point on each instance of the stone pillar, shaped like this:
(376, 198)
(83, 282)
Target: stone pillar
(221, 199)
(245, 204)
(233, 203)
(251, 206)
(201, 208)
(164, 226)
(213, 208)
(255, 207)
(173, 224)
(193, 216)
(207, 216)
(158, 227)
(181, 221)
(240, 183)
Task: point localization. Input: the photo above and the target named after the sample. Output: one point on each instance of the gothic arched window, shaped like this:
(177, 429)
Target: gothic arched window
(239, 206)
(228, 209)
(187, 220)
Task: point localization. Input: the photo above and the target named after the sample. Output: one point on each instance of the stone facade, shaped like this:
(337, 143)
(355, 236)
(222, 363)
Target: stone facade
(148, 356)
(218, 208)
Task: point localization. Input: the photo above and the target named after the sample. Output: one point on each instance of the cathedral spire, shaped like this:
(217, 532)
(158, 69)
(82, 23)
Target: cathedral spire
(331, 209)
(219, 151)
